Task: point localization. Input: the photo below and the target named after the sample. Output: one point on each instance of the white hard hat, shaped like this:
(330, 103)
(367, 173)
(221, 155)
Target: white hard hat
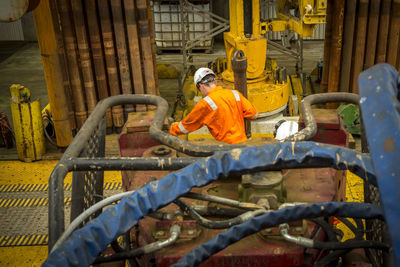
(201, 73)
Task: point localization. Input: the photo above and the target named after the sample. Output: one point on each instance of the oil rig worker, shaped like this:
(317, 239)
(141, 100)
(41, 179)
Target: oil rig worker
(221, 110)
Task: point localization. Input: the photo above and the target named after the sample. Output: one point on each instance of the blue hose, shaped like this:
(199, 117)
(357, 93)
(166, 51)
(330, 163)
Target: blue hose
(273, 218)
(85, 244)
(380, 110)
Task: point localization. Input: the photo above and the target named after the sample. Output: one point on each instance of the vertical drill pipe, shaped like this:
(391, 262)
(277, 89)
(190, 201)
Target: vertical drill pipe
(134, 49)
(153, 47)
(120, 42)
(112, 71)
(66, 81)
(327, 47)
(383, 31)
(336, 49)
(394, 36)
(239, 67)
(97, 54)
(145, 41)
(362, 19)
(373, 22)
(46, 22)
(64, 11)
(348, 37)
(84, 55)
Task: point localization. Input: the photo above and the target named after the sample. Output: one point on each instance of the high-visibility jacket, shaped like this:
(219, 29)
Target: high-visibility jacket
(223, 112)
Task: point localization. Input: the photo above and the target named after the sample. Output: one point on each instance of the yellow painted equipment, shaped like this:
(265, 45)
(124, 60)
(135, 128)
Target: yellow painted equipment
(27, 121)
(269, 93)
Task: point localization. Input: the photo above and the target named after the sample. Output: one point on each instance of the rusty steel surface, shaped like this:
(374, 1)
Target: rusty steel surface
(330, 128)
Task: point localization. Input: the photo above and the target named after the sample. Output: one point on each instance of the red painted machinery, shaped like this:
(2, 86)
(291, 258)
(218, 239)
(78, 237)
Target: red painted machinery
(267, 189)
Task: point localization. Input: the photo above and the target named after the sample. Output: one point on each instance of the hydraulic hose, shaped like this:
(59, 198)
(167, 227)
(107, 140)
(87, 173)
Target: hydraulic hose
(86, 214)
(217, 211)
(276, 217)
(175, 231)
(309, 243)
(224, 201)
(118, 219)
(217, 224)
(330, 232)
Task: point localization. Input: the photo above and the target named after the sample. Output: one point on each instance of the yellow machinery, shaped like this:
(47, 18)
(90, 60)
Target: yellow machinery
(265, 90)
(28, 125)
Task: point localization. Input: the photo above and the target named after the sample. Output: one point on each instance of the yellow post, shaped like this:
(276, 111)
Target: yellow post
(28, 127)
(46, 18)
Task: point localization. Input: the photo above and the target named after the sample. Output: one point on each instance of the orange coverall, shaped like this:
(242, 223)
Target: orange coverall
(223, 112)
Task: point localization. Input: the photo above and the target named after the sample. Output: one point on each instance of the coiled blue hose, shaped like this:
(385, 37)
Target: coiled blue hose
(85, 244)
(273, 218)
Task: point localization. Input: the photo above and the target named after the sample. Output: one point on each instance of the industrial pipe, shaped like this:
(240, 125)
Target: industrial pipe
(174, 231)
(120, 43)
(358, 62)
(97, 54)
(72, 62)
(373, 23)
(309, 243)
(336, 48)
(298, 240)
(239, 67)
(223, 201)
(310, 125)
(84, 54)
(217, 224)
(109, 52)
(134, 50)
(147, 55)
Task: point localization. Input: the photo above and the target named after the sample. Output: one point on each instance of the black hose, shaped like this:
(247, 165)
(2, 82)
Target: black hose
(351, 244)
(218, 211)
(331, 257)
(330, 232)
(206, 222)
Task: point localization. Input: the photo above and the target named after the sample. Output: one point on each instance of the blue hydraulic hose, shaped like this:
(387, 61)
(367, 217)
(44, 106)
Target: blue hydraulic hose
(273, 218)
(380, 110)
(85, 244)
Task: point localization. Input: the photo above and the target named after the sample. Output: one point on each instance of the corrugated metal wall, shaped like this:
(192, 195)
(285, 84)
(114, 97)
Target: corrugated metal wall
(268, 11)
(11, 31)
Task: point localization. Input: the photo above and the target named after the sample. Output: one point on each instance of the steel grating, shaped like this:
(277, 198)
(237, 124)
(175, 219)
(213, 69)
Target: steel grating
(24, 212)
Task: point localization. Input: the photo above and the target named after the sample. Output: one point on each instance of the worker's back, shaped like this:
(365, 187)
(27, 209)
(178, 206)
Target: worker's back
(225, 119)
(223, 112)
